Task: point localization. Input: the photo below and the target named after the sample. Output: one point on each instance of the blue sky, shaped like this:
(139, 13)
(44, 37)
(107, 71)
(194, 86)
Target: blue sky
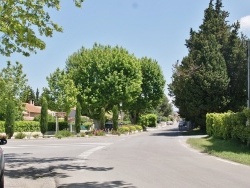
(156, 29)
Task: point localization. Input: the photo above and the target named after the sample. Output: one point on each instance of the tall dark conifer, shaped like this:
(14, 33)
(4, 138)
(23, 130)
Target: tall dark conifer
(44, 116)
(207, 80)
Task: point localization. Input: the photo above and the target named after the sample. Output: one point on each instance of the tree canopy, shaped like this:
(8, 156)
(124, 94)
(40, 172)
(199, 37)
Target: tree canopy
(105, 76)
(21, 21)
(13, 84)
(152, 89)
(212, 78)
(61, 92)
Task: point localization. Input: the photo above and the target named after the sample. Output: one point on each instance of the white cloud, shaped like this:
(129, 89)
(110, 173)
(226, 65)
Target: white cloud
(245, 25)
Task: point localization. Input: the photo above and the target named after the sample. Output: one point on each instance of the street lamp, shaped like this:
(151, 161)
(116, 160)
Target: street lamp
(121, 111)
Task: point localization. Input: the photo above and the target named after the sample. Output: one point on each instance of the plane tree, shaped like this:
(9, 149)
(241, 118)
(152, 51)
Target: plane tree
(61, 92)
(105, 76)
(13, 84)
(152, 89)
(22, 21)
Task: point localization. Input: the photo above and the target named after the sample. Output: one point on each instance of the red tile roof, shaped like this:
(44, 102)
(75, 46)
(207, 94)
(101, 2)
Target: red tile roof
(32, 108)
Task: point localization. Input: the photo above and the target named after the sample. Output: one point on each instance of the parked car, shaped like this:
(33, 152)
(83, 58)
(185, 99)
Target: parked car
(2, 163)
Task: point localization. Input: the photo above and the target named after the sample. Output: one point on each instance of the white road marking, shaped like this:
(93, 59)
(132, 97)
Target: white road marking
(86, 154)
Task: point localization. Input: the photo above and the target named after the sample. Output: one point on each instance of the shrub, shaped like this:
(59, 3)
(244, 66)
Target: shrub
(62, 126)
(138, 127)
(115, 132)
(132, 128)
(148, 120)
(82, 134)
(63, 133)
(99, 133)
(20, 135)
(87, 125)
(123, 129)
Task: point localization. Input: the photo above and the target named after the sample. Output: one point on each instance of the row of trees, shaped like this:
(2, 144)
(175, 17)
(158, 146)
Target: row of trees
(104, 77)
(213, 76)
(98, 79)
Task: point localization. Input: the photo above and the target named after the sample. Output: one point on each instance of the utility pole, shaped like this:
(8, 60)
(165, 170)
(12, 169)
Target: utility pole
(248, 75)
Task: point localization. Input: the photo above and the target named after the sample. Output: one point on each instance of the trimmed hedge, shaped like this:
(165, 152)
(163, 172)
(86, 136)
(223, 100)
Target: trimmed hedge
(148, 120)
(23, 126)
(63, 125)
(228, 126)
(34, 126)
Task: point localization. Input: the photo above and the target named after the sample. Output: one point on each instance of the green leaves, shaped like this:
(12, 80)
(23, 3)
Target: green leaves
(61, 91)
(20, 21)
(205, 80)
(105, 76)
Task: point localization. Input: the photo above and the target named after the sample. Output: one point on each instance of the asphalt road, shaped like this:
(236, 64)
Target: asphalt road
(156, 159)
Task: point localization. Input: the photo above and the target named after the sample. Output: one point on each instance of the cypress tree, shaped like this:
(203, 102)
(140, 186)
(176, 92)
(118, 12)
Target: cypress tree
(10, 119)
(44, 116)
(212, 78)
(115, 117)
(78, 118)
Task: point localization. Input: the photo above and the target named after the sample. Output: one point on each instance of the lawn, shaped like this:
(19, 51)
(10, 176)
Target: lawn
(226, 149)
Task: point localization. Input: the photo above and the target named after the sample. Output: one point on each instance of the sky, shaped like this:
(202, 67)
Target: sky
(155, 29)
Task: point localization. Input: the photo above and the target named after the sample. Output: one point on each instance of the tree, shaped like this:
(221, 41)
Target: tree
(105, 76)
(20, 21)
(203, 81)
(28, 95)
(14, 84)
(37, 98)
(61, 92)
(10, 119)
(152, 89)
(44, 116)
(78, 118)
(165, 108)
(115, 117)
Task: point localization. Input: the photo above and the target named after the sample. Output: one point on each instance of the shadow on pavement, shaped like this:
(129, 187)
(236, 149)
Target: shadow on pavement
(109, 184)
(23, 166)
(169, 132)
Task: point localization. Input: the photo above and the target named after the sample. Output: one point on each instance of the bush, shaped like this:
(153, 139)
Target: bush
(27, 126)
(148, 120)
(62, 126)
(63, 133)
(87, 125)
(20, 135)
(115, 132)
(228, 126)
(82, 134)
(138, 127)
(123, 129)
(99, 133)
(132, 128)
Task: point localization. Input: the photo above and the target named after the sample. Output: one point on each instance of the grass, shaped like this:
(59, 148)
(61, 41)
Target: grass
(226, 149)
(195, 131)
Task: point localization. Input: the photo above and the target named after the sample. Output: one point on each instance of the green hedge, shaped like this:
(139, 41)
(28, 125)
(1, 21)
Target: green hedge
(228, 126)
(33, 126)
(23, 126)
(148, 120)
(62, 126)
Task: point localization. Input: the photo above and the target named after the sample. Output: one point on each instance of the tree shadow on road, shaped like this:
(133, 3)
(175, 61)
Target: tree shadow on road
(23, 166)
(169, 132)
(109, 184)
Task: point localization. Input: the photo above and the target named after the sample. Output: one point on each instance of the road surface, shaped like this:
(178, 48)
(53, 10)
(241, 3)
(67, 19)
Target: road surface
(158, 158)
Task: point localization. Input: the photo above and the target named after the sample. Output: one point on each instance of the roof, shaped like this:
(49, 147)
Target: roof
(32, 108)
